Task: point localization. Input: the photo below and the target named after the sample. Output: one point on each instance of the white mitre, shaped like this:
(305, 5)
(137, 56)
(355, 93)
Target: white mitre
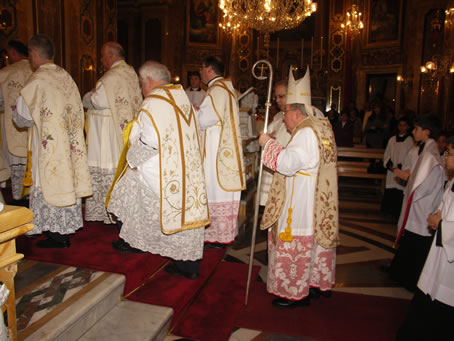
(300, 91)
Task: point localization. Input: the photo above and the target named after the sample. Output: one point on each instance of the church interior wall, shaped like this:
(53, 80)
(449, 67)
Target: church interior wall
(168, 30)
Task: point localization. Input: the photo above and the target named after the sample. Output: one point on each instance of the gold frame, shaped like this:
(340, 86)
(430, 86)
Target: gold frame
(384, 42)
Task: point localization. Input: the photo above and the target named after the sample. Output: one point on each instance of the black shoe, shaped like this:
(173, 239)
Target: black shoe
(172, 269)
(314, 293)
(287, 304)
(121, 246)
(214, 246)
(52, 244)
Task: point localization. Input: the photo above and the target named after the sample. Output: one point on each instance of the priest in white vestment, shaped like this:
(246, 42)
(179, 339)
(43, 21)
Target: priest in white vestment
(14, 139)
(279, 132)
(422, 196)
(431, 311)
(160, 195)
(111, 105)
(57, 166)
(218, 119)
(302, 206)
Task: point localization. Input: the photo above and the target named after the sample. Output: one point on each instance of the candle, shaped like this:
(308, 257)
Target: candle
(277, 54)
(321, 52)
(302, 53)
(258, 45)
(312, 49)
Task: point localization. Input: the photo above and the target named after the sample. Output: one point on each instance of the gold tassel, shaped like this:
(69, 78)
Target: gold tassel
(286, 236)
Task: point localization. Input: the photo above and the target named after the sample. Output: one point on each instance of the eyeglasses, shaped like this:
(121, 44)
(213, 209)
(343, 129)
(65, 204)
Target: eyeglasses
(279, 96)
(446, 153)
(286, 111)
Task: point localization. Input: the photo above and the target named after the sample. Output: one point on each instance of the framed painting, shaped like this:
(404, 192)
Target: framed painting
(202, 23)
(385, 22)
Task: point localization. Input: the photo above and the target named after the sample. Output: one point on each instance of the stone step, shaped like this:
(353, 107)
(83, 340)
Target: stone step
(58, 302)
(132, 321)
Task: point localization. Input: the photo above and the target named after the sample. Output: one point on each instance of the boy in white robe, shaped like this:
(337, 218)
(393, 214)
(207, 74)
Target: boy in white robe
(431, 312)
(422, 196)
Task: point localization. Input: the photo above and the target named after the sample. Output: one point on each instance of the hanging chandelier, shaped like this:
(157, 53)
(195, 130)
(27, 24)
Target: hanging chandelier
(265, 15)
(353, 22)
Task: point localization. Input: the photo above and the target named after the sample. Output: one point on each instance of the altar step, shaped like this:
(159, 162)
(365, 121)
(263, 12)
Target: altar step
(58, 302)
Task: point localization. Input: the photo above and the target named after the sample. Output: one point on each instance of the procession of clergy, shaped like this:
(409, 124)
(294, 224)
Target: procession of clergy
(168, 173)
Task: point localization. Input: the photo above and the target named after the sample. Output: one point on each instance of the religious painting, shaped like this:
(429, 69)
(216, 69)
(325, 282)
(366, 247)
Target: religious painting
(384, 24)
(202, 23)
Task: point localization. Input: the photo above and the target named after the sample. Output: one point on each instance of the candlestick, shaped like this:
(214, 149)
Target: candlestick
(321, 52)
(258, 44)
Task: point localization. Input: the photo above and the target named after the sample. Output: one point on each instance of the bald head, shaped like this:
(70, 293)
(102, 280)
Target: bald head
(111, 52)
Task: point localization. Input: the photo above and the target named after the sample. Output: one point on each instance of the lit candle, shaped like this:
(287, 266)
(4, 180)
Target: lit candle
(277, 53)
(312, 49)
(302, 53)
(321, 52)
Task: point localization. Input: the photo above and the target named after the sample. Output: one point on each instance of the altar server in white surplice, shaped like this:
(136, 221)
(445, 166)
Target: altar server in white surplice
(422, 196)
(160, 196)
(195, 93)
(302, 206)
(14, 139)
(57, 167)
(111, 105)
(431, 311)
(223, 154)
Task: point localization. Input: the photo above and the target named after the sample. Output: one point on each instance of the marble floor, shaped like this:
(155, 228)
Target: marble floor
(366, 247)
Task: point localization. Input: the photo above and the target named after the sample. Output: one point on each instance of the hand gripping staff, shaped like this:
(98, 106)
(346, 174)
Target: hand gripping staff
(260, 65)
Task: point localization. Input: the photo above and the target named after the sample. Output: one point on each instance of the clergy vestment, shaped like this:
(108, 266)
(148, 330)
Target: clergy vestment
(218, 118)
(14, 139)
(279, 132)
(422, 196)
(50, 103)
(111, 106)
(161, 196)
(304, 191)
(396, 151)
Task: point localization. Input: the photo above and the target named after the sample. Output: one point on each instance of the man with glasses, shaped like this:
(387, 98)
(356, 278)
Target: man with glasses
(279, 132)
(218, 119)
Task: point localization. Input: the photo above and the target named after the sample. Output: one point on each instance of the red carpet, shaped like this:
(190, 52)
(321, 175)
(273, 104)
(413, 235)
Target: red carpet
(177, 292)
(213, 314)
(91, 248)
(342, 317)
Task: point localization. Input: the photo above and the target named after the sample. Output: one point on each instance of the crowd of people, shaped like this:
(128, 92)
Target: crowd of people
(165, 166)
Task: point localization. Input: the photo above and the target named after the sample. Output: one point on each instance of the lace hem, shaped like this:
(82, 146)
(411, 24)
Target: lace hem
(95, 206)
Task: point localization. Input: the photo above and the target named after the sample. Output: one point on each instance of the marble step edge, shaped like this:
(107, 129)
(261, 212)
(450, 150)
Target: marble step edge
(76, 319)
(132, 321)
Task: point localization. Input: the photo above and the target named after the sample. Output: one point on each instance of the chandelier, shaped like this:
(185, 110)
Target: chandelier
(265, 15)
(354, 22)
(437, 68)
